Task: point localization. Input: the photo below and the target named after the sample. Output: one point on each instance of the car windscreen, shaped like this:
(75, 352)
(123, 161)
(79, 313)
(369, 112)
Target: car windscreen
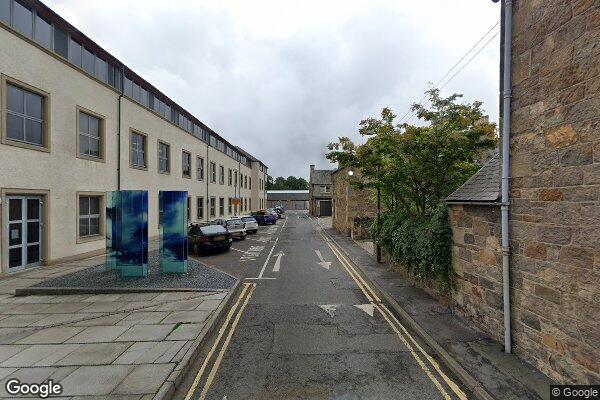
(234, 222)
(248, 219)
(212, 229)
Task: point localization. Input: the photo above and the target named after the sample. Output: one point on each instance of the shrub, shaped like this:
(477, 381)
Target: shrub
(422, 246)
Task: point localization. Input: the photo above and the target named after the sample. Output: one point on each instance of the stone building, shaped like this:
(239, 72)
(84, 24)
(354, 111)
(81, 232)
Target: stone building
(320, 192)
(554, 199)
(353, 209)
(288, 199)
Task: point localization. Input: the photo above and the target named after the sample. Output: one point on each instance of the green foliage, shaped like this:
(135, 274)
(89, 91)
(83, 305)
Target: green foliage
(289, 183)
(415, 167)
(423, 246)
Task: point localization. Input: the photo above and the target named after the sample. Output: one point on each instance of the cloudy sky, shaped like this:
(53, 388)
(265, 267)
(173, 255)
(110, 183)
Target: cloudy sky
(284, 78)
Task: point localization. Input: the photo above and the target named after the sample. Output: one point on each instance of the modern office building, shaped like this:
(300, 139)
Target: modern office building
(76, 123)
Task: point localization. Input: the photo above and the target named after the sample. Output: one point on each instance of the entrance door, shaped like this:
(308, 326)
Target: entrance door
(25, 232)
(325, 208)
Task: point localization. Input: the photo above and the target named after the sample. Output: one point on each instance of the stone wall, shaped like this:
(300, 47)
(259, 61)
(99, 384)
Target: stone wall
(555, 187)
(351, 207)
(477, 260)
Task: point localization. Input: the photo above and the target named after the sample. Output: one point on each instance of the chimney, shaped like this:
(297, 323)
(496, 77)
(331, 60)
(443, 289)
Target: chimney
(312, 168)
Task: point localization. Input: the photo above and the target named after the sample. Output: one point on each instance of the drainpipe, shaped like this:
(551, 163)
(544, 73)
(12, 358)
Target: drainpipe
(207, 177)
(119, 131)
(506, 85)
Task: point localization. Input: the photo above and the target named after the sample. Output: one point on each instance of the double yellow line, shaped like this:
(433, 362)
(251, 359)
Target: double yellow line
(405, 337)
(242, 299)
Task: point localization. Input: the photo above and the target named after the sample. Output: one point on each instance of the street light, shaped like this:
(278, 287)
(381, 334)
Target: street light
(350, 173)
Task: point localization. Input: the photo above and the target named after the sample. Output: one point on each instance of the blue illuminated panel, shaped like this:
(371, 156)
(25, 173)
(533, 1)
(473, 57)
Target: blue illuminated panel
(173, 232)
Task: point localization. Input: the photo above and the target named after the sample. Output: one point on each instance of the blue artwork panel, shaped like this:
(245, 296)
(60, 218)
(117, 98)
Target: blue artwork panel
(173, 238)
(127, 232)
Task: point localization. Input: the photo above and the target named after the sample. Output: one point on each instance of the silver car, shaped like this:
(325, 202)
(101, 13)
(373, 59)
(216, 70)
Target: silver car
(235, 226)
(249, 223)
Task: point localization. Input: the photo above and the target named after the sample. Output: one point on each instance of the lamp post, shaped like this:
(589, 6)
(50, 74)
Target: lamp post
(377, 246)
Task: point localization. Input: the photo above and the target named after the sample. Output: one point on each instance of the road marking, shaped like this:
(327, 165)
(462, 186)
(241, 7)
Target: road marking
(391, 319)
(262, 271)
(217, 364)
(241, 251)
(329, 308)
(322, 262)
(192, 389)
(277, 265)
(368, 308)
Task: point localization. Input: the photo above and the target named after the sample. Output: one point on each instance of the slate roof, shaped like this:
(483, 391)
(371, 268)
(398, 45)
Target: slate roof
(484, 186)
(287, 195)
(321, 176)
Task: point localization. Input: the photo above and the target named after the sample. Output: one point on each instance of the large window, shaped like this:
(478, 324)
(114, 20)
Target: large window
(221, 206)
(26, 119)
(221, 175)
(138, 150)
(61, 42)
(89, 216)
(213, 172)
(22, 19)
(200, 208)
(213, 206)
(186, 164)
(43, 32)
(91, 135)
(200, 168)
(164, 157)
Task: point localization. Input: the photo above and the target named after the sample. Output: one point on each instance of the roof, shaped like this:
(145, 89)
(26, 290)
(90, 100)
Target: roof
(287, 195)
(321, 176)
(248, 155)
(482, 187)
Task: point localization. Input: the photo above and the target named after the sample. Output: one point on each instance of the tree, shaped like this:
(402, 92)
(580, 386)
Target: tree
(289, 183)
(415, 167)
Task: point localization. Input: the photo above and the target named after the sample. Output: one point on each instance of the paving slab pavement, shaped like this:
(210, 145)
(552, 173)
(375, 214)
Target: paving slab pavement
(100, 346)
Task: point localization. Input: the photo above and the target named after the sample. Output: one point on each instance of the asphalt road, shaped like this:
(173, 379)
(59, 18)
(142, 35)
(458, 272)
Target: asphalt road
(306, 327)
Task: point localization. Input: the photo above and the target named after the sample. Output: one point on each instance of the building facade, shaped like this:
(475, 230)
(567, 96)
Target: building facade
(288, 199)
(76, 123)
(319, 187)
(354, 210)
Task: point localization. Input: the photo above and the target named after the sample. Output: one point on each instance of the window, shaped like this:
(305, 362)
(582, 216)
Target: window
(26, 116)
(75, 52)
(249, 183)
(186, 164)
(200, 168)
(164, 155)
(61, 42)
(229, 205)
(138, 150)
(245, 181)
(189, 208)
(22, 19)
(89, 216)
(221, 175)
(221, 206)
(213, 172)
(43, 32)
(101, 69)
(245, 204)
(230, 177)
(326, 189)
(200, 208)
(5, 11)
(250, 203)
(88, 61)
(213, 204)
(235, 178)
(91, 135)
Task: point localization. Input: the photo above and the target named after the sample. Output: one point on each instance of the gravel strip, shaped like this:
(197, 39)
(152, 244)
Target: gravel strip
(198, 277)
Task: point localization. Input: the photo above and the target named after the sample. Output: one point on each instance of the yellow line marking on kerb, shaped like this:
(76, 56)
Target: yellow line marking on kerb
(198, 377)
(394, 324)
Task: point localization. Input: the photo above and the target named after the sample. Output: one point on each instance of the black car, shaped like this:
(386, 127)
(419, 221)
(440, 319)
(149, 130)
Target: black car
(203, 237)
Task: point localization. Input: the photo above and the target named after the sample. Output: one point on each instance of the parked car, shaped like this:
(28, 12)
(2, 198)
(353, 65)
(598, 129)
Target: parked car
(234, 225)
(280, 210)
(274, 212)
(203, 237)
(250, 223)
(264, 218)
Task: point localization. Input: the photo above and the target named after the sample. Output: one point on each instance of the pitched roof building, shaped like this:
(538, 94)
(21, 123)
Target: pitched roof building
(320, 191)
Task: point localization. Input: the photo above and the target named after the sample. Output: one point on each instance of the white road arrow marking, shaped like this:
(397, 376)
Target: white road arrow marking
(329, 308)
(323, 263)
(368, 308)
(277, 265)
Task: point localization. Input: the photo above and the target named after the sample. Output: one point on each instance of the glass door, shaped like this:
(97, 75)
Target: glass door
(24, 232)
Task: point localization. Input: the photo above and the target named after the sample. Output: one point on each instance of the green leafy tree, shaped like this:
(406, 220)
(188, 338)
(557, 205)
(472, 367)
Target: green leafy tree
(289, 183)
(415, 167)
